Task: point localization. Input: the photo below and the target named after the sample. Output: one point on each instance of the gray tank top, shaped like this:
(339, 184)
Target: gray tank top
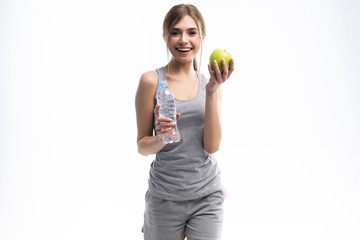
(184, 170)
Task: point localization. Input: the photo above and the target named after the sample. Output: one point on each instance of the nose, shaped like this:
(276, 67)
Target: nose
(183, 38)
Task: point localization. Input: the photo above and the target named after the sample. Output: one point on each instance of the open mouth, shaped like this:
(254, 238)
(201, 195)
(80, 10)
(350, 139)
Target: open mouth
(184, 50)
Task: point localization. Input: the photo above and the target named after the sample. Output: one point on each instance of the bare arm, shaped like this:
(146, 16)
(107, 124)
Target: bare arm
(212, 124)
(144, 103)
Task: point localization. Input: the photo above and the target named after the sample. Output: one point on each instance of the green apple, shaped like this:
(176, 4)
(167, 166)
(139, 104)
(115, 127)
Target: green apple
(217, 55)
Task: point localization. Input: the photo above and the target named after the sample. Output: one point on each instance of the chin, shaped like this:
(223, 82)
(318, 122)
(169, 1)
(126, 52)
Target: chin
(183, 59)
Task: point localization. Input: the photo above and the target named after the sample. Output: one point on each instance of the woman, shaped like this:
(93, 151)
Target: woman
(185, 195)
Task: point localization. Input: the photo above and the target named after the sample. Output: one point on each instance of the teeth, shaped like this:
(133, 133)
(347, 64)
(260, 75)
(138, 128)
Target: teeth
(184, 49)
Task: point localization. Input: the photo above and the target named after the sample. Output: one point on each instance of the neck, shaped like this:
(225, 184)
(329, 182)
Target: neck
(180, 68)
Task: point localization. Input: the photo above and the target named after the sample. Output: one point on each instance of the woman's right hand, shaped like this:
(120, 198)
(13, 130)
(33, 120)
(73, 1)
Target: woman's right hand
(163, 125)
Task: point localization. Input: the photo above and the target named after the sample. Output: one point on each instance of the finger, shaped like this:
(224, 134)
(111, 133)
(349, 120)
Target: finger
(217, 72)
(232, 67)
(225, 70)
(164, 119)
(162, 122)
(164, 129)
(212, 73)
(178, 115)
(166, 125)
(156, 111)
(160, 125)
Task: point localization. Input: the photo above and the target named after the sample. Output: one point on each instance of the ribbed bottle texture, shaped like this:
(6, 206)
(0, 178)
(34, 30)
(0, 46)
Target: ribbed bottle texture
(166, 100)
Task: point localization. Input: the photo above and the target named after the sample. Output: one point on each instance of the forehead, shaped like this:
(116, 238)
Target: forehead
(186, 23)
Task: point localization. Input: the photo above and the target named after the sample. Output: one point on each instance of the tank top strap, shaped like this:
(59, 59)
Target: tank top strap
(161, 74)
(162, 78)
(203, 81)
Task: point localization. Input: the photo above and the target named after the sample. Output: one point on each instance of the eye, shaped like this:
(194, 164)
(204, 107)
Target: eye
(174, 33)
(193, 33)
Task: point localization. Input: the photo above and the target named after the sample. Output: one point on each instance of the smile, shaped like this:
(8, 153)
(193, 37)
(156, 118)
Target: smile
(184, 50)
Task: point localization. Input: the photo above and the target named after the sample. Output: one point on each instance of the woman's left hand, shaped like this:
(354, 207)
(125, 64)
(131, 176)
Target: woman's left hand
(216, 77)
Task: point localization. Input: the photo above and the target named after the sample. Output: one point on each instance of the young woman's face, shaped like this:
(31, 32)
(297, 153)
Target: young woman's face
(184, 40)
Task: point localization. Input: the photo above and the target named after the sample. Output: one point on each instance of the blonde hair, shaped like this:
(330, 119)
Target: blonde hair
(175, 14)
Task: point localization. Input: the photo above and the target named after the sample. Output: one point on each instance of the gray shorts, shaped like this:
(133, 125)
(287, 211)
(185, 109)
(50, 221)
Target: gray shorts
(200, 218)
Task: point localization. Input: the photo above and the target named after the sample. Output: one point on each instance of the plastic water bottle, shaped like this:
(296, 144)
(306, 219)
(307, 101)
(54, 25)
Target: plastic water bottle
(168, 109)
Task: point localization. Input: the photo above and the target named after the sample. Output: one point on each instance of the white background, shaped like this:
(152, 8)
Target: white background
(69, 69)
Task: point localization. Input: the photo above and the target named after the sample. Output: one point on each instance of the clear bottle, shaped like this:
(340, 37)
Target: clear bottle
(166, 100)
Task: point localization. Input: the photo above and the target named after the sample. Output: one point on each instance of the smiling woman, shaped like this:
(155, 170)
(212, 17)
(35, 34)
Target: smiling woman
(185, 41)
(182, 34)
(289, 154)
(184, 197)
(194, 28)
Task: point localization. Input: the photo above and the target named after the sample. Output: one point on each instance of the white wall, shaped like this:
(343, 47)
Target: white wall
(69, 168)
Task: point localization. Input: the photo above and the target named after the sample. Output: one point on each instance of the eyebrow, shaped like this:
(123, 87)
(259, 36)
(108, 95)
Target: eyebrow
(189, 29)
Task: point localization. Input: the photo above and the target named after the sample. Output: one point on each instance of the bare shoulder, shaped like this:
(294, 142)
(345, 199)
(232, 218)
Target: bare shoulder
(149, 79)
(147, 85)
(144, 103)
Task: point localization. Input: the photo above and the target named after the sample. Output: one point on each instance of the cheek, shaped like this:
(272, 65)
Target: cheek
(197, 45)
(196, 42)
(173, 40)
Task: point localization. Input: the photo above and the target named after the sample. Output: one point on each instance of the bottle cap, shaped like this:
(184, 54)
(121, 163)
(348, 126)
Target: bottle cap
(163, 85)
